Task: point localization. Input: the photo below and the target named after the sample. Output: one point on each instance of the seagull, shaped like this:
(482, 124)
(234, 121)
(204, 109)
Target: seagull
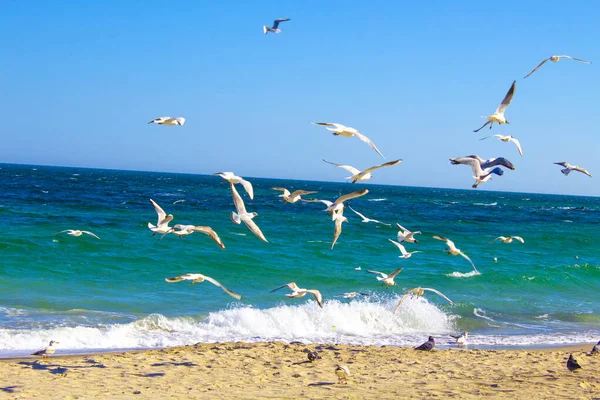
(48, 351)
(556, 59)
(462, 338)
(498, 115)
(572, 363)
(201, 278)
(351, 295)
(338, 205)
(569, 168)
(168, 121)
(363, 175)
(404, 235)
(275, 26)
(420, 291)
(595, 350)
(346, 131)
(184, 230)
(365, 219)
(454, 251)
(232, 178)
(342, 373)
(405, 254)
(292, 197)
(428, 345)
(74, 232)
(162, 226)
(509, 239)
(387, 279)
(243, 215)
(337, 230)
(482, 169)
(297, 292)
(507, 138)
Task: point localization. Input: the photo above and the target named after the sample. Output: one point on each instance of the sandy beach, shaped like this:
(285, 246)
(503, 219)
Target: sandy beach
(279, 370)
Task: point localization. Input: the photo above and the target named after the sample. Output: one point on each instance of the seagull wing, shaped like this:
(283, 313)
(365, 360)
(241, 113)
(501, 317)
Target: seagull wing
(519, 238)
(439, 294)
(352, 195)
(348, 168)
(357, 213)
(292, 286)
(583, 170)
(402, 298)
(518, 145)
(498, 238)
(278, 20)
(563, 164)
(317, 296)
(442, 238)
(210, 232)
(396, 272)
(387, 164)
(497, 161)
(323, 123)
(255, 229)
(467, 257)
(247, 187)
(474, 163)
(369, 142)
(301, 192)
(377, 273)
(399, 246)
(66, 230)
(177, 278)
(91, 234)
(507, 99)
(180, 120)
(237, 200)
(497, 135)
(538, 67)
(580, 60)
(161, 213)
(337, 229)
(229, 292)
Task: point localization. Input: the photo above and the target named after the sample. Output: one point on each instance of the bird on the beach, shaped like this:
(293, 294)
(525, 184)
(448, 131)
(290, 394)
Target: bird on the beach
(243, 215)
(388, 280)
(483, 169)
(184, 230)
(569, 168)
(232, 178)
(405, 254)
(506, 139)
(334, 207)
(595, 350)
(337, 226)
(351, 295)
(508, 239)
(342, 373)
(346, 131)
(168, 121)
(555, 59)
(312, 355)
(365, 219)
(48, 351)
(404, 235)
(298, 292)
(75, 232)
(428, 345)
(201, 278)
(572, 363)
(498, 115)
(453, 250)
(294, 196)
(418, 292)
(461, 339)
(162, 226)
(275, 27)
(364, 175)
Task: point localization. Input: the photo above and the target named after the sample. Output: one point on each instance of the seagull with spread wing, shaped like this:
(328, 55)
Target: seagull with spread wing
(294, 196)
(388, 280)
(168, 121)
(556, 59)
(76, 232)
(498, 115)
(404, 235)
(453, 250)
(232, 178)
(184, 230)
(569, 168)
(201, 278)
(405, 254)
(337, 229)
(365, 219)
(420, 291)
(334, 207)
(506, 139)
(483, 169)
(162, 226)
(298, 292)
(366, 174)
(508, 239)
(243, 215)
(275, 27)
(346, 131)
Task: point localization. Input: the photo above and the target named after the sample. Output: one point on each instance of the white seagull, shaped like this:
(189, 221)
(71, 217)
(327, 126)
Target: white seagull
(420, 291)
(346, 131)
(405, 254)
(351, 295)
(482, 169)
(243, 215)
(334, 207)
(48, 351)
(342, 372)
(366, 174)
(365, 219)
(292, 197)
(462, 338)
(184, 230)
(337, 230)
(275, 27)
(385, 278)
(509, 239)
(162, 226)
(74, 232)
(569, 168)
(453, 250)
(297, 292)
(556, 59)
(232, 178)
(201, 278)
(498, 115)
(507, 138)
(168, 121)
(404, 235)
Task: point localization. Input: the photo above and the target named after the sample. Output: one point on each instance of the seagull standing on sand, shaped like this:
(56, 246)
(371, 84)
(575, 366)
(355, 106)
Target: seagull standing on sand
(162, 226)
(595, 349)
(292, 197)
(365, 219)
(342, 373)
(555, 59)
(232, 178)
(48, 351)
(569, 168)
(168, 121)
(388, 280)
(428, 345)
(404, 235)
(74, 232)
(572, 363)
(461, 339)
(275, 27)
(498, 115)
(184, 230)
(297, 292)
(453, 250)
(506, 139)
(346, 131)
(482, 169)
(366, 174)
(405, 254)
(508, 239)
(337, 229)
(420, 291)
(201, 278)
(243, 215)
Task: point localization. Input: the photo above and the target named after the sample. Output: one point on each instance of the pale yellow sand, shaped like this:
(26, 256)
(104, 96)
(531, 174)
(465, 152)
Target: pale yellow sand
(277, 370)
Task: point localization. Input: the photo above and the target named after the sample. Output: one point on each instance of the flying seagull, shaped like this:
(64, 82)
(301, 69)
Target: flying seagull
(420, 291)
(48, 351)
(365, 219)
(556, 59)
(453, 250)
(405, 254)
(404, 235)
(342, 373)
(366, 174)
(74, 232)
(351, 295)
(292, 197)
(168, 121)
(569, 168)
(346, 131)
(162, 226)
(337, 230)
(184, 230)
(388, 280)
(498, 115)
(461, 339)
(275, 27)
(232, 178)
(507, 138)
(243, 215)
(508, 239)
(334, 207)
(297, 292)
(572, 363)
(201, 278)
(428, 345)
(483, 169)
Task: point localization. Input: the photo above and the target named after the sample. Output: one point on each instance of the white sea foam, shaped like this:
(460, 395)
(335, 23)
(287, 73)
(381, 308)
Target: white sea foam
(486, 204)
(382, 199)
(456, 274)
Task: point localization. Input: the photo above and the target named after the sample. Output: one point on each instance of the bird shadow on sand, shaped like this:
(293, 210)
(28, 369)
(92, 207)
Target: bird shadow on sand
(8, 389)
(151, 375)
(322, 384)
(302, 362)
(176, 364)
(56, 368)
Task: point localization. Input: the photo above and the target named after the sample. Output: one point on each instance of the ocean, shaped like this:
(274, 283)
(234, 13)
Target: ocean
(102, 295)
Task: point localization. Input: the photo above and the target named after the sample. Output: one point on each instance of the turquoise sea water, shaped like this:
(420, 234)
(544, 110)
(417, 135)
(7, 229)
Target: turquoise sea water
(109, 294)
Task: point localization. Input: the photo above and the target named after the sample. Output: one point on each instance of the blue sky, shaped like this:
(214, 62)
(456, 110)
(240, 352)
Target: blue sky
(80, 81)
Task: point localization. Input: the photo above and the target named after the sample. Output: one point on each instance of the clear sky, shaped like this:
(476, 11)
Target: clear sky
(80, 80)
